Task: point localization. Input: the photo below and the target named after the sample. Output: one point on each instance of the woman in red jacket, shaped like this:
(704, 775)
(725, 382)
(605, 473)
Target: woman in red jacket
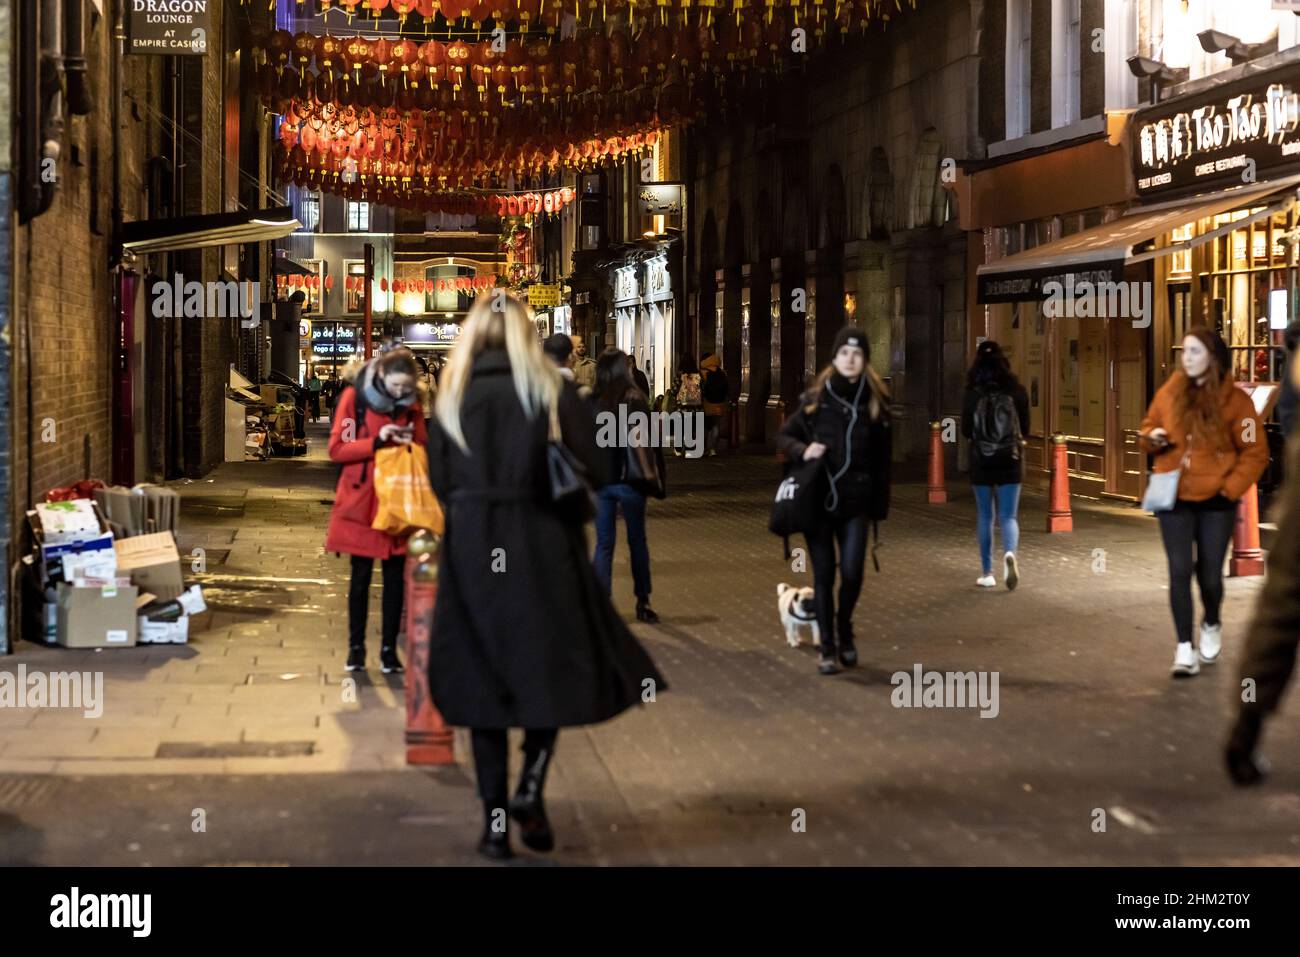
(382, 408)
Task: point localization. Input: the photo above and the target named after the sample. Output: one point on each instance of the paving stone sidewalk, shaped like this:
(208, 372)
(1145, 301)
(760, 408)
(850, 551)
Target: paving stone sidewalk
(748, 744)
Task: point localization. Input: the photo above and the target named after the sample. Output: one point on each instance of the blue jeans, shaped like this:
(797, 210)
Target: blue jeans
(1008, 498)
(608, 501)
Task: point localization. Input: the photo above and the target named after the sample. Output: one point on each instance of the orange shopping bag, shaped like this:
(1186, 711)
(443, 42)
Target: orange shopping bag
(406, 499)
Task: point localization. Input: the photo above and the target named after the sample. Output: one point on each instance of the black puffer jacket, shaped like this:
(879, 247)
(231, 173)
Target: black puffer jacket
(864, 488)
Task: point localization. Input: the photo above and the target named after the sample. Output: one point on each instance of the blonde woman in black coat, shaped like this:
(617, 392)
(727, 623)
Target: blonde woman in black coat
(523, 635)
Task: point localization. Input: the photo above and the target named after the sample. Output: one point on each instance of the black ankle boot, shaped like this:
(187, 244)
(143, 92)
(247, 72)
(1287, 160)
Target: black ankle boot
(848, 651)
(356, 658)
(495, 844)
(644, 612)
(526, 806)
(389, 663)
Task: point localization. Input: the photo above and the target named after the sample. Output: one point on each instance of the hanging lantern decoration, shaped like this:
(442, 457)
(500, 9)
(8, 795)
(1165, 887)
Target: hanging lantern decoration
(383, 284)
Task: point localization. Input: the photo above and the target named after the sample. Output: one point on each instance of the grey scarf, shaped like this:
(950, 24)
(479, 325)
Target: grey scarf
(376, 397)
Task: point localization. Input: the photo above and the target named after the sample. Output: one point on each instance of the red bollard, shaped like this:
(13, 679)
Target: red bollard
(1247, 556)
(935, 492)
(428, 739)
(1059, 518)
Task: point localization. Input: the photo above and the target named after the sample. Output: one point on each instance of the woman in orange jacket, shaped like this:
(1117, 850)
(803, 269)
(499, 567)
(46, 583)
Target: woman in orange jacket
(1201, 423)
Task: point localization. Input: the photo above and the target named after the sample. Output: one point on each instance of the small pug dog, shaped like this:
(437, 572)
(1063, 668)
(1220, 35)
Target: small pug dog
(795, 606)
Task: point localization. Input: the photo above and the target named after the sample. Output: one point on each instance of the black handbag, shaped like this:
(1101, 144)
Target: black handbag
(643, 469)
(798, 504)
(570, 484)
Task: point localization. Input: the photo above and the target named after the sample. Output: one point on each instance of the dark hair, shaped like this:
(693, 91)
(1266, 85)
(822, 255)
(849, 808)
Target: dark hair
(688, 364)
(559, 347)
(396, 360)
(991, 368)
(613, 378)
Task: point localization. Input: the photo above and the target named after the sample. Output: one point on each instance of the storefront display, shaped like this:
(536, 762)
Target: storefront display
(643, 315)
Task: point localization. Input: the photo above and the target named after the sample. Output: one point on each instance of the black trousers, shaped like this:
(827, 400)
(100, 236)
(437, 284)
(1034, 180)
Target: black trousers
(1210, 530)
(491, 761)
(851, 535)
(359, 599)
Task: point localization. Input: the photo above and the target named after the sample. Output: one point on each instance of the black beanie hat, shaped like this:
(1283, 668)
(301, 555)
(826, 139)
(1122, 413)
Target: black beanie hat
(848, 336)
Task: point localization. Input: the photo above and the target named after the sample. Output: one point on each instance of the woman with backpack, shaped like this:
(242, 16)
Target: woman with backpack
(843, 420)
(522, 635)
(995, 417)
(1203, 427)
(382, 407)
(690, 396)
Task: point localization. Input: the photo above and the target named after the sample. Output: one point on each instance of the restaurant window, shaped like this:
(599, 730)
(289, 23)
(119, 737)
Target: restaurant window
(1250, 283)
(448, 299)
(356, 271)
(315, 293)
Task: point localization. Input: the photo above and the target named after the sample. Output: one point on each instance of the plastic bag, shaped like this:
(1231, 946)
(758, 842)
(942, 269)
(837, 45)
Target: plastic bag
(406, 499)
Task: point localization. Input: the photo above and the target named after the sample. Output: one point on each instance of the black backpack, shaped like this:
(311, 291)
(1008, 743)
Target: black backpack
(715, 386)
(996, 428)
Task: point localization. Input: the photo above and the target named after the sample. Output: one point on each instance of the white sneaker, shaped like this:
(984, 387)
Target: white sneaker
(1185, 663)
(1211, 643)
(986, 581)
(1012, 570)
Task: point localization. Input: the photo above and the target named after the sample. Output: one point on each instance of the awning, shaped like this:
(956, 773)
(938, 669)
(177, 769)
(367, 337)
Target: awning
(211, 229)
(1100, 254)
(284, 266)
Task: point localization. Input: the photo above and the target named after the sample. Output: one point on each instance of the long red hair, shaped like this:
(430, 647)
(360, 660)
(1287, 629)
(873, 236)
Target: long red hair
(1199, 408)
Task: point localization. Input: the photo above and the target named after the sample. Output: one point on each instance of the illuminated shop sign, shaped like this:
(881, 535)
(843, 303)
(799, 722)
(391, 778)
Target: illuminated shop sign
(1245, 129)
(170, 27)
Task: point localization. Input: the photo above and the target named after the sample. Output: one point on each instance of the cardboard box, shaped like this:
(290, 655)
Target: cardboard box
(62, 561)
(61, 523)
(164, 632)
(96, 617)
(152, 562)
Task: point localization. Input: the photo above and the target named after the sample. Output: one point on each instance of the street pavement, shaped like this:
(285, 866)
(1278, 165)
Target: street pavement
(240, 747)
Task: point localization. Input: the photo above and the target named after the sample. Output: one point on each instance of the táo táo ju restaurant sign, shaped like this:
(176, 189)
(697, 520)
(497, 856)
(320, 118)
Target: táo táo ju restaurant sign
(171, 27)
(1229, 135)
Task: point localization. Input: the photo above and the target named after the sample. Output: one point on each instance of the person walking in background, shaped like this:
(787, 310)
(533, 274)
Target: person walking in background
(522, 635)
(690, 396)
(844, 420)
(638, 377)
(382, 408)
(559, 349)
(995, 417)
(714, 393)
(614, 388)
(584, 368)
(1203, 425)
(314, 385)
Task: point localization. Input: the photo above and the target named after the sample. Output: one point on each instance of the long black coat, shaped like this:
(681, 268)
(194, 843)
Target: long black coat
(864, 488)
(523, 635)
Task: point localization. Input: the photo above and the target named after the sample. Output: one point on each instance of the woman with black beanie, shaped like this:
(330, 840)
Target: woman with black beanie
(843, 419)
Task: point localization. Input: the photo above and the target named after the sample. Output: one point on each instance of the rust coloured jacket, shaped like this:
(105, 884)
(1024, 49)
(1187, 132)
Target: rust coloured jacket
(1231, 469)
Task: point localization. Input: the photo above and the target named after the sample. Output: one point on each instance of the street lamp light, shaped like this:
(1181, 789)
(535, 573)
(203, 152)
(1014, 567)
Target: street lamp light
(1216, 41)
(1160, 74)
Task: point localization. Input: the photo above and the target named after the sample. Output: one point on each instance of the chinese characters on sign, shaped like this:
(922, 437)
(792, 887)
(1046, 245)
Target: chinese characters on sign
(1249, 127)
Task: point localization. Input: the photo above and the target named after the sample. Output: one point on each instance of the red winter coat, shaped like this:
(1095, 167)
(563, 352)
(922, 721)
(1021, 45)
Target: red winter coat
(355, 503)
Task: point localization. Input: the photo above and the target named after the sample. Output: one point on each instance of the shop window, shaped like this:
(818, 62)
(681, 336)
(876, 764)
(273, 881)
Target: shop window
(1180, 263)
(1065, 61)
(447, 300)
(355, 269)
(1251, 280)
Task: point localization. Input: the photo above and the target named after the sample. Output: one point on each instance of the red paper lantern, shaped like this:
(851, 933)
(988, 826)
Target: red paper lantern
(329, 283)
(383, 284)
